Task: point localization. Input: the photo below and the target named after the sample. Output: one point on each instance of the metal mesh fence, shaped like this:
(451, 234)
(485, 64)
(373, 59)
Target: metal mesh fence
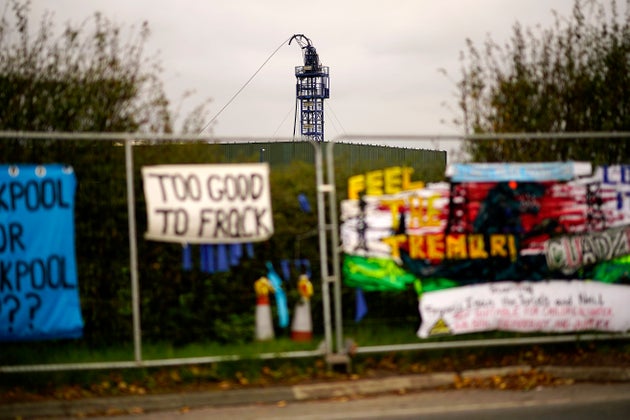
(190, 315)
(186, 311)
(382, 307)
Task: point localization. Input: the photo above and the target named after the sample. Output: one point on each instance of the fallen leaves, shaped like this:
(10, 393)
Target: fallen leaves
(520, 380)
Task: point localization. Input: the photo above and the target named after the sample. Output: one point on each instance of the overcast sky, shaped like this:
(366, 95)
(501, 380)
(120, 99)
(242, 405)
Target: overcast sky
(384, 57)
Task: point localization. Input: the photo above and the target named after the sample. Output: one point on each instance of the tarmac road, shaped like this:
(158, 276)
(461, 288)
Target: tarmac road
(403, 396)
(581, 401)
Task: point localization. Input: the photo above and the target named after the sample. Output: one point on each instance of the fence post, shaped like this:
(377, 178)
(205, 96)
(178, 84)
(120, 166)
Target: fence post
(323, 247)
(133, 251)
(323, 227)
(334, 235)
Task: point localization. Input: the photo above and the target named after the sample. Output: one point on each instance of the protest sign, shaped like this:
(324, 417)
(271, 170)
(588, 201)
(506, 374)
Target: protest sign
(208, 204)
(547, 306)
(39, 297)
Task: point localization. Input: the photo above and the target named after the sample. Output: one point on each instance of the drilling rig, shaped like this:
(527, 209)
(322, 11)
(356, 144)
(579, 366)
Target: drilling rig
(312, 87)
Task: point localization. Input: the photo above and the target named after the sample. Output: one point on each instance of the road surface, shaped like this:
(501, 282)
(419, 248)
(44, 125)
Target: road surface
(579, 401)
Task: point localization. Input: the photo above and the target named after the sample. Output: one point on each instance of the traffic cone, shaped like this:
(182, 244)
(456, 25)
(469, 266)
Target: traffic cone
(264, 324)
(302, 326)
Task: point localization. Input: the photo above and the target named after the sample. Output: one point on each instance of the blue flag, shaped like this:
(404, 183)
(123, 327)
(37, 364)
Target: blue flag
(236, 253)
(304, 204)
(222, 258)
(39, 292)
(286, 270)
(187, 264)
(281, 297)
(361, 305)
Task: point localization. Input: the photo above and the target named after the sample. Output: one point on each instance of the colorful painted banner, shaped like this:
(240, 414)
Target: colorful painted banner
(370, 223)
(492, 223)
(491, 231)
(612, 183)
(558, 306)
(372, 274)
(39, 296)
(382, 182)
(570, 253)
(208, 204)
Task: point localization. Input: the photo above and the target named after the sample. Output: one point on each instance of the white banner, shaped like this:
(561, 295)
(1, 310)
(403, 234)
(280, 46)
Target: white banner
(208, 204)
(550, 306)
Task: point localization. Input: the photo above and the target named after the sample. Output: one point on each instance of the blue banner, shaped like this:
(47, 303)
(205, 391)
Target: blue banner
(520, 172)
(39, 295)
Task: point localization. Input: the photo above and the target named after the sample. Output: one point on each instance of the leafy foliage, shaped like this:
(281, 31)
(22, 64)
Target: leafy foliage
(86, 80)
(573, 77)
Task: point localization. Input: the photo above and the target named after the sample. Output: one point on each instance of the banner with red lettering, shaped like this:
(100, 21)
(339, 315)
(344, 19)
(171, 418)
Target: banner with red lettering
(549, 306)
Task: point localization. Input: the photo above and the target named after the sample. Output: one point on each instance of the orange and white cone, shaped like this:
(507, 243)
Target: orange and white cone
(302, 326)
(264, 324)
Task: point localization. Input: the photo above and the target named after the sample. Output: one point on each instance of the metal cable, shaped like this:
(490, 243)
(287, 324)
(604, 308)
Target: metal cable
(244, 86)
